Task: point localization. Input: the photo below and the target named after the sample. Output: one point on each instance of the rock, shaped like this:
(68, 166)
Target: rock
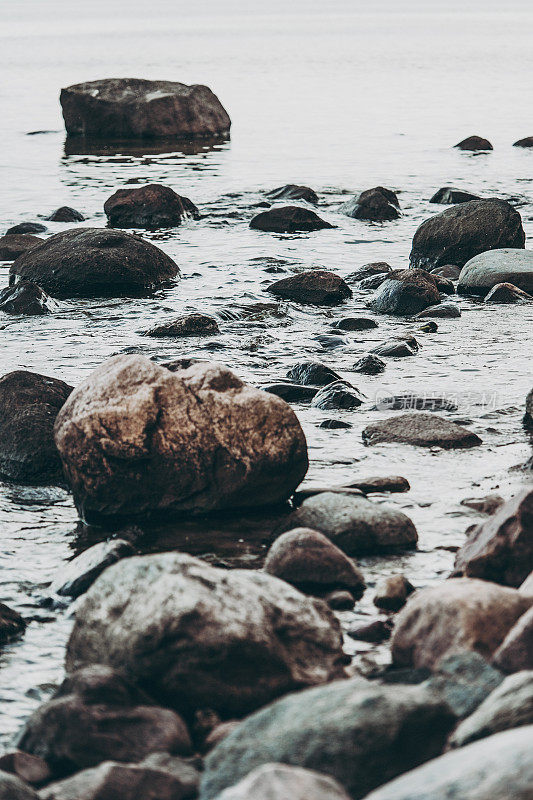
(497, 768)
(26, 298)
(429, 327)
(29, 404)
(474, 143)
(129, 108)
(330, 341)
(368, 271)
(507, 293)
(66, 214)
(528, 416)
(337, 395)
(11, 624)
(282, 781)
(312, 563)
(443, 311)
(366, 734)
(527, 142)
(151, 207)
(444, 285)
(501, 548)
(482, 273)
(377, 631)
(527, 586)
(159, 776)
(97, 715)
(463, 231)
(355, 524)
(392, 592)
(333, 424)
(288, 219)
(186, 325)
(136, 438)
(510, 705)
(218, 733)
(312, 373)
(14, 245)
(463, 681)
(377, 205)
(458, 614)
(446, 271)
(422, 429)
(77, 575)
(449, 196)
(374, 281)
(355, 324)
(293, 192)
(314, 287)
(516, 651)
(410, 402)
(389, 483)
(340, 600)
(30, 769)
(485, 505)
(27, 227)
(397, 347)
(91, 262)
(369, 365)
(291, 392)
(12, 788)
(406, 292)
(201, 637)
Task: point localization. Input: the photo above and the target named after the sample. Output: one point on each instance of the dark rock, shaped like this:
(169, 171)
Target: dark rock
(367, 734)
(30, 769)
(429, 327)
(501, 548)
(26, 298)
(77, 575)
(12, 788)
(422, 429)
(312, 563)
(314, 287)
(218, 733)
(330, 341)
(528, 416)
(355, 324)
(291, 392)
(389, 483)
(377, 205)
(397, 347)
(186, 325)
(335, 424)
(377, 631)
(289, 219)
(527, 142)
(369, 365)
(447, 271)
(463, 680)
(449, 196)
(91, 262)
(66, 214)
(153, 206)
(507, 293)
(200, 637)
(442, 311)
(474, 143)
(29, 404)
(444, 285)
(368, 271)
(497, 768)
(312, 373)
(516, 651)
(27, 227)
(98, 715)
(11, 624)
(13, 245)
(485, 505)
(338, 395)
(340, 600)
(129, 108)
(392, 592)
(374, 281)
(410, 402)
(136, 438)
(293, 192)
(406, 292)
(356, 525)
(282, 781)
(463, 231)
(455, 615)
(487, 270)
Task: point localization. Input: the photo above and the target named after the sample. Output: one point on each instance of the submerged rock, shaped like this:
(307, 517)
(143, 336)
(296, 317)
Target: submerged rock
(91, 262)
(312, 373)
(376, 205)
(11, 623)
(26, 298)
(463, 231)
(369, 365)
(130, 108)
(485, 505)
(186, 325)
(13, 245)
(442, 311)
(292, 191)
(291, 392)
(406, 292)
(338, 395)
(507, 293)
(422, 429)
(474, 143)
(151, 207)
(314, 287)
(66, 214)
(355, 324)
(283, 781)
(27, 227)
(482, 273)
(199, 637)
(449, 196)
(289, 219)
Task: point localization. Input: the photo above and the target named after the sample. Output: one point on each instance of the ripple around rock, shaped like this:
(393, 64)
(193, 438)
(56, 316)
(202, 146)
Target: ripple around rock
(422, 429)
(289, 219)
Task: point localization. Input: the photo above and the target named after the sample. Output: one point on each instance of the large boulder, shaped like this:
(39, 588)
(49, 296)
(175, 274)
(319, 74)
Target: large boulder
(14, 245)
(288, 219)
(516, 651)
(129, 108)
(198, 637)
(92, 262)
(282, 781)
(497, 768)
(458, 614)
(376, 205)
(358, 733)
(29, 404)
(501, 548)
(463, 231)
(420, 428)
(152, 206)
(136, 438)
(481, 273)
(314, 287)
(448, 196)
(405, 292)
(355, 524)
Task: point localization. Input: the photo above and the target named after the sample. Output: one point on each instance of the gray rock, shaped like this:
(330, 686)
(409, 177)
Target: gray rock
(12, 788)
(291, 392)
(375, 268)
(338, 395)
(355, 324)
(398, 347)
(314, 287)
(27, 227)
(153, 206)
(77, 575)
(449, 196)
(516, 651)
(507, 293)
(464, 681)
(66, 214)
(374, 281)
(504, 265)
(485, 505)
(447, 271)
(200, 637)
(444, 310)
(406, 292)
(422, 429)
(358, 733)
(282, 781)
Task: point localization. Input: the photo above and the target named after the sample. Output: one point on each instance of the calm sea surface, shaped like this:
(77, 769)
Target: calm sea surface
(335, 96)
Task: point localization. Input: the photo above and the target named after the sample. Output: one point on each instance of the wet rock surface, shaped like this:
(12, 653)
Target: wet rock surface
(66, 214)
(449, 196)
(26, 298)
(83, 570)
(508, 265)
(11, 623)
(312, 373)
(375, 205)
(406, 292)
(421, 429)
(338, 395)
(282, 780)
(315, 287)
(474, 143)
(292, 191)
(188, 325)
(507, 293)
(14, 245)
(289, 219)
(153, 206)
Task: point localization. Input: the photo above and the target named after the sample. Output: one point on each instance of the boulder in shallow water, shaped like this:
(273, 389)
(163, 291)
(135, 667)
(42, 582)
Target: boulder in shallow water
(13, 245)
(397, 347)
(369, 365)
(422, 429)
(27, 227)
(289, 219)
(474, 143)
(375, 205)
(26, 298)
(406, 292)
(291, 392)
(355, 324)
(66, 214)
(283, 781)
(292, 191)
(312, 373)
(368, 271)
(392, 592)
(449, 196)
(338, 395)
(92, 262)
(507, 293)
(527, 142)
(188, 325)
(199, 637)
(482, 273)
(136, 438)
(463, 231)
(151, 207)
(313, 287)
(131, 108)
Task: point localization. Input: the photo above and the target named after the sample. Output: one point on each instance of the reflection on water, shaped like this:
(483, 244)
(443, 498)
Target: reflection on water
(85, 146)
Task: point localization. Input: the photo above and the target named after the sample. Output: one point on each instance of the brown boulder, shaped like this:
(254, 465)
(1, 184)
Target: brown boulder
(315, 287)
(187, 325)
(474, 143)
(507, 293)
(151, 207)
(14, 245)
(288, 219)
(516, 651)
(422, 429)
